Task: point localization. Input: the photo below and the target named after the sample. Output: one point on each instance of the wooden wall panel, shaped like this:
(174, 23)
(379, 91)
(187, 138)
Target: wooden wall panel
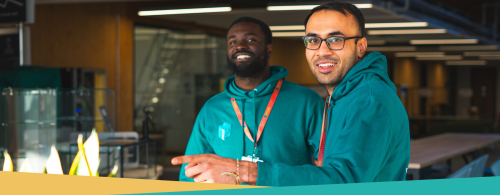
(407, 71)
(126, 69)
(290, 53)
(98, 36)
(81, 36)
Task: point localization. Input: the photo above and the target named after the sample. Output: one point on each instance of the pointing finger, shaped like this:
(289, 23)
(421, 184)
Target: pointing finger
(187, 159)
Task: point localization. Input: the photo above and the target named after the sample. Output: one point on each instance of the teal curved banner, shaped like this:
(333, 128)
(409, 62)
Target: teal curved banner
(465, 186)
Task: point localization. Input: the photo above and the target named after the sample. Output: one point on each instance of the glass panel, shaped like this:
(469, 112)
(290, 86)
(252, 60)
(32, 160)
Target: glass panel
(28, 130)
(81, 111)
(33, 120)
(139, 160)
(3, 141)
(175, 74)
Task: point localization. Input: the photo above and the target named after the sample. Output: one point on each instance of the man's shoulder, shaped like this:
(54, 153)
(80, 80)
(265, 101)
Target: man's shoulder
(373, 87)
(378, 93)
(216, 100)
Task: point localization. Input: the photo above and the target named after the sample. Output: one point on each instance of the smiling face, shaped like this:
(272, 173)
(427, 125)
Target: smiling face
(247, 51)
(331, 66)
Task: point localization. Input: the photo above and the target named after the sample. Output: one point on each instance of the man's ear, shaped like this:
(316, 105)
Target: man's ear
(269, 50)
(362, 45)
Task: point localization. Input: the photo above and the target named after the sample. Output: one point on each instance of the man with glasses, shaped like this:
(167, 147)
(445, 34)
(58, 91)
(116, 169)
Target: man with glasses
(365, 134)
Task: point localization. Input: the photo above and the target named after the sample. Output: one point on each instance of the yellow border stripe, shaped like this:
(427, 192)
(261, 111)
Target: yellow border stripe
(37, 183)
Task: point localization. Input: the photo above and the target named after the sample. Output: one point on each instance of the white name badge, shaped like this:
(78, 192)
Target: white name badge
(251, 159)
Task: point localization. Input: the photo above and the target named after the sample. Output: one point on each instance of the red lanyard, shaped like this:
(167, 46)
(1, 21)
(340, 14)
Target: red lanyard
(264, 118)
(323, 133)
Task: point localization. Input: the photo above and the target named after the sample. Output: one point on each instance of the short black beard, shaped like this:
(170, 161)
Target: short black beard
(255, 69)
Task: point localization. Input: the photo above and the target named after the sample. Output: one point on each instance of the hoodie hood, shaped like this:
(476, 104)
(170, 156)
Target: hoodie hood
(374, 63)
(265, 88)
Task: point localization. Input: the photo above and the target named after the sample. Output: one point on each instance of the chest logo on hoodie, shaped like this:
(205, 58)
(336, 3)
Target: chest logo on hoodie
(224, 131)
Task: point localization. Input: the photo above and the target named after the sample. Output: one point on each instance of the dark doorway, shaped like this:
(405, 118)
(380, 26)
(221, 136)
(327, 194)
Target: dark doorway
(484, 86)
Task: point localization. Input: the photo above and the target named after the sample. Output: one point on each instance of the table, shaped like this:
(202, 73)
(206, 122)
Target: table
(430, 150)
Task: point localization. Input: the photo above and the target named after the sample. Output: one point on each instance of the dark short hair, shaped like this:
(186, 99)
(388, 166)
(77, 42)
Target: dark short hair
(263, 26)
(341, 7)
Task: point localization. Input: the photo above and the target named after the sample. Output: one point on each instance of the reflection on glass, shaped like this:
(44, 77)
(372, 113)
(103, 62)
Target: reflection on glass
(175, 74)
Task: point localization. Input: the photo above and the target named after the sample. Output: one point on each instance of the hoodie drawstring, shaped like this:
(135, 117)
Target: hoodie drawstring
(243, 126)
(255, 120)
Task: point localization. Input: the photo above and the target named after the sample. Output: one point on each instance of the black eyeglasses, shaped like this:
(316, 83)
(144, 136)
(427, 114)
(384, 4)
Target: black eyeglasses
(333, 43)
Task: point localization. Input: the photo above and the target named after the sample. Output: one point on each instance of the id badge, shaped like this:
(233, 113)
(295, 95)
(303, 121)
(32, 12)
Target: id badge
(251, 159)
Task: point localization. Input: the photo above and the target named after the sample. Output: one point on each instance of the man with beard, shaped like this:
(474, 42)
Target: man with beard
(260, 117)
(365, 134)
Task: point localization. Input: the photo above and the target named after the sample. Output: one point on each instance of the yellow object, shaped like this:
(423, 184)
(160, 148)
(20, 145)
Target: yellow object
(53, 165)
(74, 165)
(26, 167)
(114, 171)
(34, 183)
(99, 99)
(90, 153)
(7, 164)
(81, 148)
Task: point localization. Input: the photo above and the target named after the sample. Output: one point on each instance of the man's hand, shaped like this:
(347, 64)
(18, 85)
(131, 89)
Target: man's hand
(207, 168)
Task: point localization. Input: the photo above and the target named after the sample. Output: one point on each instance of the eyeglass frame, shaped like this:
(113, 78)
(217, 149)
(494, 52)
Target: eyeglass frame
(328, 44)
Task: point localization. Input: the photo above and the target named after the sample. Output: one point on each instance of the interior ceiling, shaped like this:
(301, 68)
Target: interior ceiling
(470, 9)
(224, 19)
(257, 9)
(372, 15)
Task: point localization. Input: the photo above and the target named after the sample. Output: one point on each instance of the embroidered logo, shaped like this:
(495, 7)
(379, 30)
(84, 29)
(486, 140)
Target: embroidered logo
(224, 131)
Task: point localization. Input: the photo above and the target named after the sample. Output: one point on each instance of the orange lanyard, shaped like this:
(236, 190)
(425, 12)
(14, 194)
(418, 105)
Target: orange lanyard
(323, 133)
(264, 118)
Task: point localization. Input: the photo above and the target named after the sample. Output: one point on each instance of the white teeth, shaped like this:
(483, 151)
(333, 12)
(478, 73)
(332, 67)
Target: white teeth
(243, 57)
(327, 64)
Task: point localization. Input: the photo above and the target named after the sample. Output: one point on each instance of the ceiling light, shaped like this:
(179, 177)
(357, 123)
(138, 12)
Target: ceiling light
(367, 25)
(451, 57)
(288, 27)
(406, 32)
(443, 41)
(405, 48)
(490, 57)
(290, 7)
(376, 42)
(466, 62)
(184, 11)
(154, 100)
(289, 34)
(468, 48)
(363, 5)
(482, 53)
(415, 54)
(161, 81)
(396, 25)
(308, 7)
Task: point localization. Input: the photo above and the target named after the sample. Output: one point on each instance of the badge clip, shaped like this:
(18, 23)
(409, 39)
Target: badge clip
(251, 159)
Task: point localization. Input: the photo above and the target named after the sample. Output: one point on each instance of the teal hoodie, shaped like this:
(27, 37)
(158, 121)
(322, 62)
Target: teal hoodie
(291, 134)
(367, 139)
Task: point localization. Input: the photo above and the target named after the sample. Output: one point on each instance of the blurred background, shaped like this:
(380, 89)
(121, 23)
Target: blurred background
(125, 66)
